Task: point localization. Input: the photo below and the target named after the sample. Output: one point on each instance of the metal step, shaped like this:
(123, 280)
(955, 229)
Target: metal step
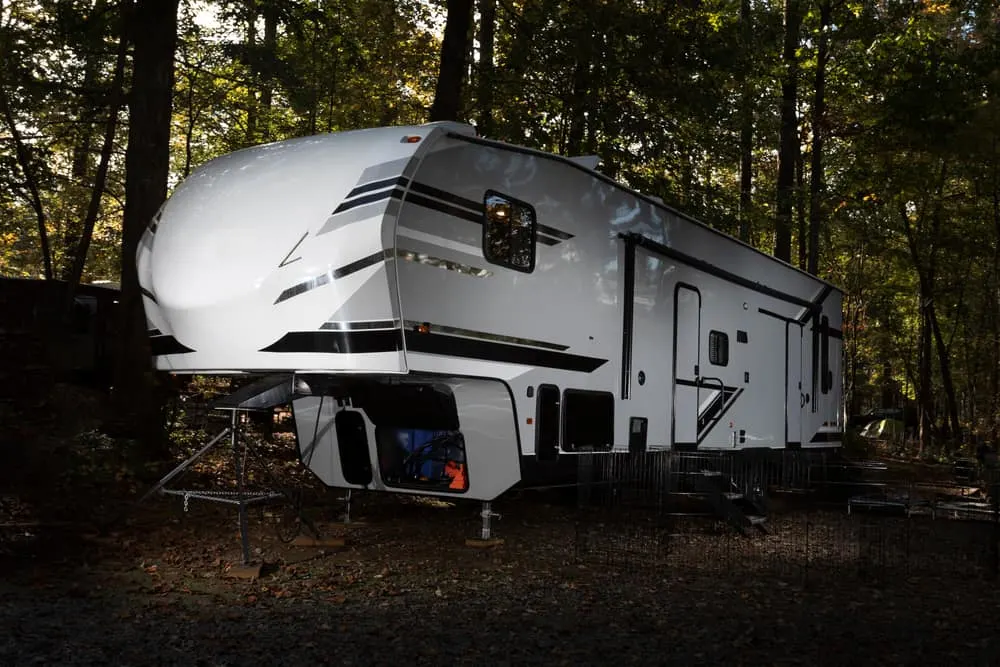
(732, 495)
(756, 519)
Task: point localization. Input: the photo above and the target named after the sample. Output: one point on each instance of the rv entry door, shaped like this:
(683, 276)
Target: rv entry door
(795, 393)
(687, 364)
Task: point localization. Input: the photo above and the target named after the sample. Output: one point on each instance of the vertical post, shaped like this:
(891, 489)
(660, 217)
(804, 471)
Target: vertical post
(487, 514)
(347, 507)
(240, 497)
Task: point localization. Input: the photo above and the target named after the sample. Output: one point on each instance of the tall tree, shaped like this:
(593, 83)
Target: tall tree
(788, 147)
(487, 52)
(746, 84)
(818, 132)
(147, 161)
(451, 74)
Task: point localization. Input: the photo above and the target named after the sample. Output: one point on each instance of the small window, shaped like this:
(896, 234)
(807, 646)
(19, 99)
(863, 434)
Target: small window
(718, 348)
(509, 232)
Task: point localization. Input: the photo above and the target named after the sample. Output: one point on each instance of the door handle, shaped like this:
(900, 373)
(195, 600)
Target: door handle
(802, 399)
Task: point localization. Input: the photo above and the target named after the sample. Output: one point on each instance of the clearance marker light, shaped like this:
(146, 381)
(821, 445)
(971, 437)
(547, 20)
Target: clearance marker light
(412, 139)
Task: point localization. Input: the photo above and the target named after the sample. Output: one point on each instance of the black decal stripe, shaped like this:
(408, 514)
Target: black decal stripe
(687, 383)
(482, 335)
(725, 409)
(477, 207)
(325, 278)
(146, 293)
(154, 332)
(361, 342)
(827, 436)
(437, 193)
(338, 342)
(711, 269)
(545, 240)
(777, 316)
(378, 185)
(164, 345)
(368, 199)
(432, 204)
(836, 333)
(470, 348)
(552, 231)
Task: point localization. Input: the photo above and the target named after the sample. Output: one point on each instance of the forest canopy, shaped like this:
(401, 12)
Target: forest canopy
(856, 139)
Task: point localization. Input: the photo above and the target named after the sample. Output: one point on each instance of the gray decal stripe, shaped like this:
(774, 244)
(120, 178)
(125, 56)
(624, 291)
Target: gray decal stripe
(482, 335)
(367, 199)
(378, 185)
(361, 326)
(421, 258)
(329, 276)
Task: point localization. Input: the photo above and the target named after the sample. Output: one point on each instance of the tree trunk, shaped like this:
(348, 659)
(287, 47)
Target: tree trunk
(448, 94)
(746, 120)
(800, 206)
(487, 31)
(577, 107)
(251, 50)
(944, 363)
(136, 392)
(789, 136)
(101, 177)
(23, 156)
(267, 80)
(818, 132)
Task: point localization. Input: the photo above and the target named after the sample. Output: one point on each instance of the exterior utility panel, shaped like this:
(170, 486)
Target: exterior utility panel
(460, 315)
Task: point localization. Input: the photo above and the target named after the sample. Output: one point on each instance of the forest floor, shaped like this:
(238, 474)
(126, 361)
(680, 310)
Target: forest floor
(406, 589)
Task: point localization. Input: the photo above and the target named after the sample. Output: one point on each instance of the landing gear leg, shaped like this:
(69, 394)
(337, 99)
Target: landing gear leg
(486, 538)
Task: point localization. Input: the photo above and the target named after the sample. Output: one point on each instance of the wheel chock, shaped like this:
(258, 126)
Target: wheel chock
(248, 571)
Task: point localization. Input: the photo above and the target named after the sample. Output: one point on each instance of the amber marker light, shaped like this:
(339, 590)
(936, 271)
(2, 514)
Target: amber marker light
(411, 139)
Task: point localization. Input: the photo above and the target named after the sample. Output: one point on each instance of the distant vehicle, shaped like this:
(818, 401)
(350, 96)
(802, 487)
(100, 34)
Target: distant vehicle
(81, 350)
(444, 302)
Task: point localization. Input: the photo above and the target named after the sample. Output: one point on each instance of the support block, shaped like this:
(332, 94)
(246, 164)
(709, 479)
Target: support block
(479, 543)
(244, 571)
(323, 542)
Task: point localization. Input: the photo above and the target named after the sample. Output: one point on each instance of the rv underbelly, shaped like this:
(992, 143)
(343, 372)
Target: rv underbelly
(429, 436)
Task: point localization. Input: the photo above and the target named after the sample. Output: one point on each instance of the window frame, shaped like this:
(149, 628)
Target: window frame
(505, 262)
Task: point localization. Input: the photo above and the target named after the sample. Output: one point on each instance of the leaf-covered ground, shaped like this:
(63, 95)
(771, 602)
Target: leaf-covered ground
(566, 587)
(406, 589)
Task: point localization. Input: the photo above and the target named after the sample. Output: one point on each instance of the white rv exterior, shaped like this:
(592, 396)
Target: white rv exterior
(515, 307)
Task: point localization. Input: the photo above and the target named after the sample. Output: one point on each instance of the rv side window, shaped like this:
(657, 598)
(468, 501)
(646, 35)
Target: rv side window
(718, 348)
(509, 232)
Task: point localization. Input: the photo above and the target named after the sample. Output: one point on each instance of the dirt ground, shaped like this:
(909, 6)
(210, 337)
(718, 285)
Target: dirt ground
(566, 586)
(406, 588)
